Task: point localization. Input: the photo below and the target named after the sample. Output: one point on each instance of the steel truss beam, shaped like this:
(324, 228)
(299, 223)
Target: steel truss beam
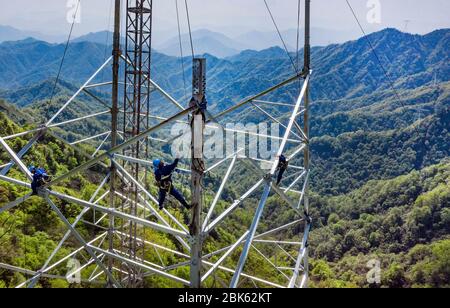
(144, 199)
(268, 186)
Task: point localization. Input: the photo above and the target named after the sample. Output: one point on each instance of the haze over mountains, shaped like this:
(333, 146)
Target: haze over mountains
(205, 41)
(341, 71)
(8, 33)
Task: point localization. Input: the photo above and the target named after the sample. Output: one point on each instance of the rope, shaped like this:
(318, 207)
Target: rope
(299, 13)
(181, 48)
(65, 53)
(388, 77)
(107, 37)
(190, 30)
(281, 37)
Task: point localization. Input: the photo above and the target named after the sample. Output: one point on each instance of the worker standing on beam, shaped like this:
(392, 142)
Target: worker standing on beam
(163, 176)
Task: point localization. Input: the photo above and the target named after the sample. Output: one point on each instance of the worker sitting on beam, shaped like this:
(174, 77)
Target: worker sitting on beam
(40, 178)
(163, 176)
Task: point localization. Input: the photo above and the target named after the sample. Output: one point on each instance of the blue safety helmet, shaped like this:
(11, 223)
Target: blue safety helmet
(156, 163)
(32, 168)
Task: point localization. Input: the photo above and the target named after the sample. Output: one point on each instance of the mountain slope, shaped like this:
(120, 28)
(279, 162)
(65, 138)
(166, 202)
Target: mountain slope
(342, 71)
(403, 223)
(345, 163)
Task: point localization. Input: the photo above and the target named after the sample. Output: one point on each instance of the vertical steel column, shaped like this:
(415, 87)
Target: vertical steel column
(136, 109)
(114, 122)
(307, 152)
(198, 166)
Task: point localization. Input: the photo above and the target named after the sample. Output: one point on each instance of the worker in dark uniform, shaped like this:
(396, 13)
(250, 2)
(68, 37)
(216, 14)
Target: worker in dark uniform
(163, 176)
(283, 164)
(40, 177)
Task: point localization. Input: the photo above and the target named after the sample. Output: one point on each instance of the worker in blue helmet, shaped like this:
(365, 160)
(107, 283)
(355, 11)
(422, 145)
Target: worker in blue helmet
(163, 176)
(40, 178)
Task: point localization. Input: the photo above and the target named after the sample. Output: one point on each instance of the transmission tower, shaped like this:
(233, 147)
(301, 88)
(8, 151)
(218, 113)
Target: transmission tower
(136, 111)
(124, 195)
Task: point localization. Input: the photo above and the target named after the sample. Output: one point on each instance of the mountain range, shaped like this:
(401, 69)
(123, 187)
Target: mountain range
(380, 151)
(344, 71)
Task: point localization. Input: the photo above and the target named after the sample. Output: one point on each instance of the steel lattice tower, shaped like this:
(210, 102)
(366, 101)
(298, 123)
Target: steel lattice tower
(119, 253)
(136, 111)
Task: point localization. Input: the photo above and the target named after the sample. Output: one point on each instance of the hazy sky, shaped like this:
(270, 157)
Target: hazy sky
(229, 16)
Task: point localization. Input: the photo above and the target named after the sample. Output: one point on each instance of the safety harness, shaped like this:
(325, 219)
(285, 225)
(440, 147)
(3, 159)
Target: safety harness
(165, 183)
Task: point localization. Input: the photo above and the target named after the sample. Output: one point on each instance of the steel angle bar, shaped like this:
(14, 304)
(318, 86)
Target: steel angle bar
(299, 150)
(225, 256)
(78, 92)
(302, 193)
(270, 262)
(82, 241)
(223, 160)
(24, 133)
(303, 252)
(255, 223)
(80, 119)
(23, 151)
(273, 103)
(159, 217)
(267, 189)
(15, 203)
(143, 162)
(273, 118)
(95, 97)
(271, 162)
(157, 87)
(121, 215)
(15, 181)
(95, 85)
(160, 247)
(90, 138)
(75, 223)
(140, 265)
(118, 148)
(278, 190)
(30, 272)
(49, 268)
(219, 193)
(277, 242)
(16, 159)
(233, 207)
(278, 229)
(101, 145)
(255, 97)
(153, 199)
(295, 182)
(231, 271)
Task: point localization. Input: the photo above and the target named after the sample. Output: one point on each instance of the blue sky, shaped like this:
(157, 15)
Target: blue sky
(230, 16)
